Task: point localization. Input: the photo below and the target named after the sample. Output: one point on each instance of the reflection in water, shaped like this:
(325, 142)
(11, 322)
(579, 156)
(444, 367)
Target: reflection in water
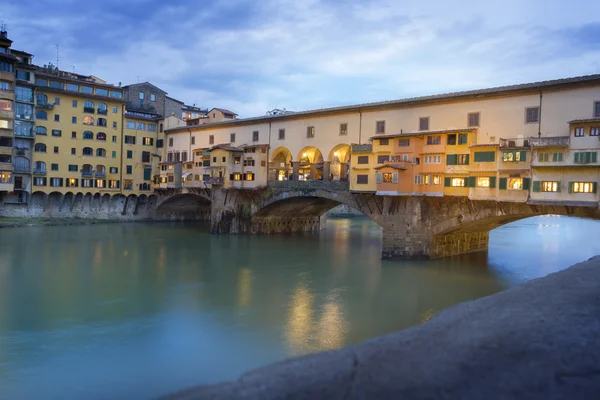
(136, 310)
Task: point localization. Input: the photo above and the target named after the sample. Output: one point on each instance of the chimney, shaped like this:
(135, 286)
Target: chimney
(3, 34)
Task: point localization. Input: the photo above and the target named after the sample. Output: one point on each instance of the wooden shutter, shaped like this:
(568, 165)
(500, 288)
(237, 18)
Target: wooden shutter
(558, 186)
(537, 186)
(395, 177)
(466, 159)
(526, 183)
(502, 185)
(379, 177)
(447, 181)
(451, 159)
(594, 187)
(472, 181)
(147, 174)
(576, 157)
(570, 187)
(594, 156)
(492, 182)
(523, 156)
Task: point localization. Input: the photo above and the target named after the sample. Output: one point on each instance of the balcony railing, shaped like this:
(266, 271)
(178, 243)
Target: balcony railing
(100, 174)
(24, 99)
(103, 112)
(90, 110)
(557, 141)
(48, 106)
(39, 171)
(213, 180)
(514, 143)
(87, 173)
(24, 134)
(23, 168)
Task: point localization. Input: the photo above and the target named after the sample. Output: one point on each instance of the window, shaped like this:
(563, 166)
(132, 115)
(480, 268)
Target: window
(87, 89)
(101, 136)
(100, 183)
(141, 95)
(597, 109)
(433, 159)
(403, 142)
(463, 138)
(424, 123)
(57, 101)
(4, 85)
(436, 179)
(87, 120)
(457, 159)
(102, 122)
(129, 169)
(379, 127)
(114, 94)
(56, 182)
(431, 140)
(71, 87)
(148, 141)
(550, 186)
(310, 132)
(129, 139)
(170, 142)
(56, 132)
(102, 108)
(582, 187)
(55, 149)
(25, 76)
(41, 114)
(115, 109)
(232, 137)
(41, 98)
(141, 126)
(483, 181)
(6, 67)
(579, 132)
(543, 157)
(248, 163)
(515, 183)
(532, 115)
(89, 106)
(419, 179)
(73, 120)
(146, 156)
(4, 124)
(557, 157)
(114, 154)
(39, 181)
(224, 159)
(54, 167)
(485, 156)
(384, 142)
(100, 152)
(404, 157)
(73, 151)
(382, 159)
(452, 139)
(585, 157)
(344, 129)
(595, 131)
(131, 125)
(362, 160)
(211, 140)
(249, 176)
(88, 183)
(362, 179)
(87, 151)
(88, 135)
(152, 97)
(159, 143)
(514, 156)
(114, 170)
(387, 177)
(463, 159)
(281, 134)
(255, 136)
(129, 153)
(39, 167)
(39, 147)
(457, 182)
(73, 168)
(237, 160)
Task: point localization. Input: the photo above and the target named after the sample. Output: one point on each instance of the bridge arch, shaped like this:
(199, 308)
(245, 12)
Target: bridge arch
(191, 206)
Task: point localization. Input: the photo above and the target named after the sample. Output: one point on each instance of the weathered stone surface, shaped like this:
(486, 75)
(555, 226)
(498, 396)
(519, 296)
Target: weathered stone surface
(536, 341)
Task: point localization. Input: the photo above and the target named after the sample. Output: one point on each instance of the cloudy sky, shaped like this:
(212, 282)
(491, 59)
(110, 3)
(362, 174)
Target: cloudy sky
(255, 55)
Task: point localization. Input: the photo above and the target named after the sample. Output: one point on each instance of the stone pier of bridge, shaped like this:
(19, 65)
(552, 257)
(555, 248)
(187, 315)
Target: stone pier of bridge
(412, 226)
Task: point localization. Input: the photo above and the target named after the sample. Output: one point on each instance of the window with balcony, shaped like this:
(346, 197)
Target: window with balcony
(100, 152)
(102, 108)
(87, 151)
(102, 122)
(41, 130)
(100, 171)
(532, 115)
(39, 167)
(41, 99)
(40, 148)
(101, 136)
(87, 170)
(88, 135)
(89, 106)
(579, 132)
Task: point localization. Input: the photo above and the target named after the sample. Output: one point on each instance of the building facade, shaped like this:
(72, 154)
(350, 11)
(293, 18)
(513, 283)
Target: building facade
(526, 143)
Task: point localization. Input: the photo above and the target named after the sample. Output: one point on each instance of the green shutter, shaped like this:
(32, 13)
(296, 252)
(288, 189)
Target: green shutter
(523, 156)
(537, 186)
(492, 182)
(484, 156)
(492, 155)
(502, 185)
(594, 156)
(594, 187)
(576, 157)
(558, 186)
(462, 138)
(526, 183)
(147, 174)
(451, 159)
(470, 181)
(447, 181)
(587, 157)
(467, 159)
(570, 187)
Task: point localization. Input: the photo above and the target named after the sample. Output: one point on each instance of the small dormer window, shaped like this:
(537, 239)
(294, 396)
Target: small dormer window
(141, 95)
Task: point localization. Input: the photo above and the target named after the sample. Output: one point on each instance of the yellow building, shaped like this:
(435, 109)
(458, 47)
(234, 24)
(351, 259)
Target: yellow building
(78, 133)
(7, 114)
(142, 144)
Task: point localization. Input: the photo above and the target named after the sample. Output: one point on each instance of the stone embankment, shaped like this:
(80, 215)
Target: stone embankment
(539, 340)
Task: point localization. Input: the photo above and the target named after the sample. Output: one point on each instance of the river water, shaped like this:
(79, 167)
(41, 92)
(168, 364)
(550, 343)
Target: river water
(139, 310)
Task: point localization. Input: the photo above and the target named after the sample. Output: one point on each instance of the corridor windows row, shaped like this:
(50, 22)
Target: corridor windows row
(545, 157)
(142, 126)
(432, 159)
(574, 187)
(75, 182)
(429, 179)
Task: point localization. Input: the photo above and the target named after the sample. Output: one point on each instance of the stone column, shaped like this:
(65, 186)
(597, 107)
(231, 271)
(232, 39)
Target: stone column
(326, 169)
(295, 170)
(343, 174)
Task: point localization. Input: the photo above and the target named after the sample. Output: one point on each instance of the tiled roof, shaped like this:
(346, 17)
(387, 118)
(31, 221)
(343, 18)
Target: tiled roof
(224, 110)
(421, 133)
(580, 121)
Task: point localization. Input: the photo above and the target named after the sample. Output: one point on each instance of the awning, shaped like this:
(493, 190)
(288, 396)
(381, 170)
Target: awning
(186, 175)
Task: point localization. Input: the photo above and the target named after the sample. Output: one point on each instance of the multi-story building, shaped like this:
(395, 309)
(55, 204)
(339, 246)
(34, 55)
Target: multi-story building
(142, 143)
(78, 133)
(528, 143)
(7, 113)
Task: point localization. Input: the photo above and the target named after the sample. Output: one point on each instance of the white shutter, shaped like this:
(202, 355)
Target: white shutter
(379, 177)
(395, 177)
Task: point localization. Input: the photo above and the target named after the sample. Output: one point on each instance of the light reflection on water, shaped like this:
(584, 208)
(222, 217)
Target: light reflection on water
(112, 311)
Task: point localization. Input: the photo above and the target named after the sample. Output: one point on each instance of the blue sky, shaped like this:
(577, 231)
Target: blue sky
(253, 56)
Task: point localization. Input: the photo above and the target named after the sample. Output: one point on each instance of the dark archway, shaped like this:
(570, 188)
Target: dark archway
(184, 207)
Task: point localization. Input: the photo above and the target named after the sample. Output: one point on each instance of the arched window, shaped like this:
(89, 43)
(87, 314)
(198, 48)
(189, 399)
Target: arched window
(41, 114)
(160, 128)
(101, 136)
(41, 130)
(88, 106)
(102, 108)
(41, 98)
(100, 171)
(88, 135)
(87, 120)
(87, 170)
(101, 121)
(88, 151)
(39, 167)
(40, 147)
(100, 152)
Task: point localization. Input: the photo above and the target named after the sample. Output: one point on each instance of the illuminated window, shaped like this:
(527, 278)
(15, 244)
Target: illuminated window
(583, 187)
(310, 132)
(99, 183)
(457, 182)
(343, 129)
(237, 160)
(514, 156)
(237, 177)
(548, 186)
(436, 179)
(72, 182)
(249, 176)
(5, 177)
(5, 105)
(515, 183)
(87, 120)
(387, 177)
(483, 181)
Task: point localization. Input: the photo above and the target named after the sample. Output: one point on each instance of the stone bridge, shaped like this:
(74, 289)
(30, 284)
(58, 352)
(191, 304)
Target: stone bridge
(412, 226)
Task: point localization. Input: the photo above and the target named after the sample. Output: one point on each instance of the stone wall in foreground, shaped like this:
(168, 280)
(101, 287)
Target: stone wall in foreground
(536, 341)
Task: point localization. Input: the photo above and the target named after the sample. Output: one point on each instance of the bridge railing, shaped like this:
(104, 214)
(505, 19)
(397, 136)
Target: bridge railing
(311, 184)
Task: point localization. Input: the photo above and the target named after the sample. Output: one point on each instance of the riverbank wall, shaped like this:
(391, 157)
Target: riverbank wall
(536, 341)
